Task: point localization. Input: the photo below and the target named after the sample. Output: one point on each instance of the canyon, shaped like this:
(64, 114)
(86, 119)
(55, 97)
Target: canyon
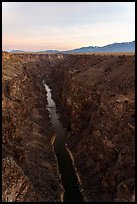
(95, 102)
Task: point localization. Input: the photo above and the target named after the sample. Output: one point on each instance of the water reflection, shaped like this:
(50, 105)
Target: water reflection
(68, 176)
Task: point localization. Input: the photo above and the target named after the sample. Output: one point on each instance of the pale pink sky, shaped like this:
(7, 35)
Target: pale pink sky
(66, 25)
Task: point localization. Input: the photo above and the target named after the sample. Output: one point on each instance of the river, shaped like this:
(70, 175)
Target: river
(65, 164)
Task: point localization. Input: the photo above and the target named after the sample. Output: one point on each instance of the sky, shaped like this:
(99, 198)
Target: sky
(35, 26)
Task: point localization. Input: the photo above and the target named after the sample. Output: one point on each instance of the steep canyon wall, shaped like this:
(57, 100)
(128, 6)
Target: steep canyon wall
(95, 99)
(29, 164)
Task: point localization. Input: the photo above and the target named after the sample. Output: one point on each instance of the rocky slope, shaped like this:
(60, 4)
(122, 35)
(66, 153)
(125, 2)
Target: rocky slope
(29, 166)
(95, 97)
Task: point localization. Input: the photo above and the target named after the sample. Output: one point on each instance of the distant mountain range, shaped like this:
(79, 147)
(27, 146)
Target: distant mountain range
(14, 51)
(115, 47)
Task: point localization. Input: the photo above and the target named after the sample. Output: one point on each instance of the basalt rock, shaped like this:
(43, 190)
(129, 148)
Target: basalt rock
(95, 97)
(96, 101)
(30, 171)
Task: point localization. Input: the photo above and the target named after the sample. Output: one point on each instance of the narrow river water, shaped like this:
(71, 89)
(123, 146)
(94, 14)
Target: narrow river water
(68, 175)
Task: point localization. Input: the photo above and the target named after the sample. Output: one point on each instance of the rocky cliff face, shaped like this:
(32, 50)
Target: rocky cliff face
(95, 99)
(95, 96)
(29, 163)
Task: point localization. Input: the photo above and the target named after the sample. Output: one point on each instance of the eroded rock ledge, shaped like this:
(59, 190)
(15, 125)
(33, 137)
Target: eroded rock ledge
(30, 171)
(95, 99)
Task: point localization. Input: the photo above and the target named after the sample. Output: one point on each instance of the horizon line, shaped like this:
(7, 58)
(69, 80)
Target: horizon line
(68, 49)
